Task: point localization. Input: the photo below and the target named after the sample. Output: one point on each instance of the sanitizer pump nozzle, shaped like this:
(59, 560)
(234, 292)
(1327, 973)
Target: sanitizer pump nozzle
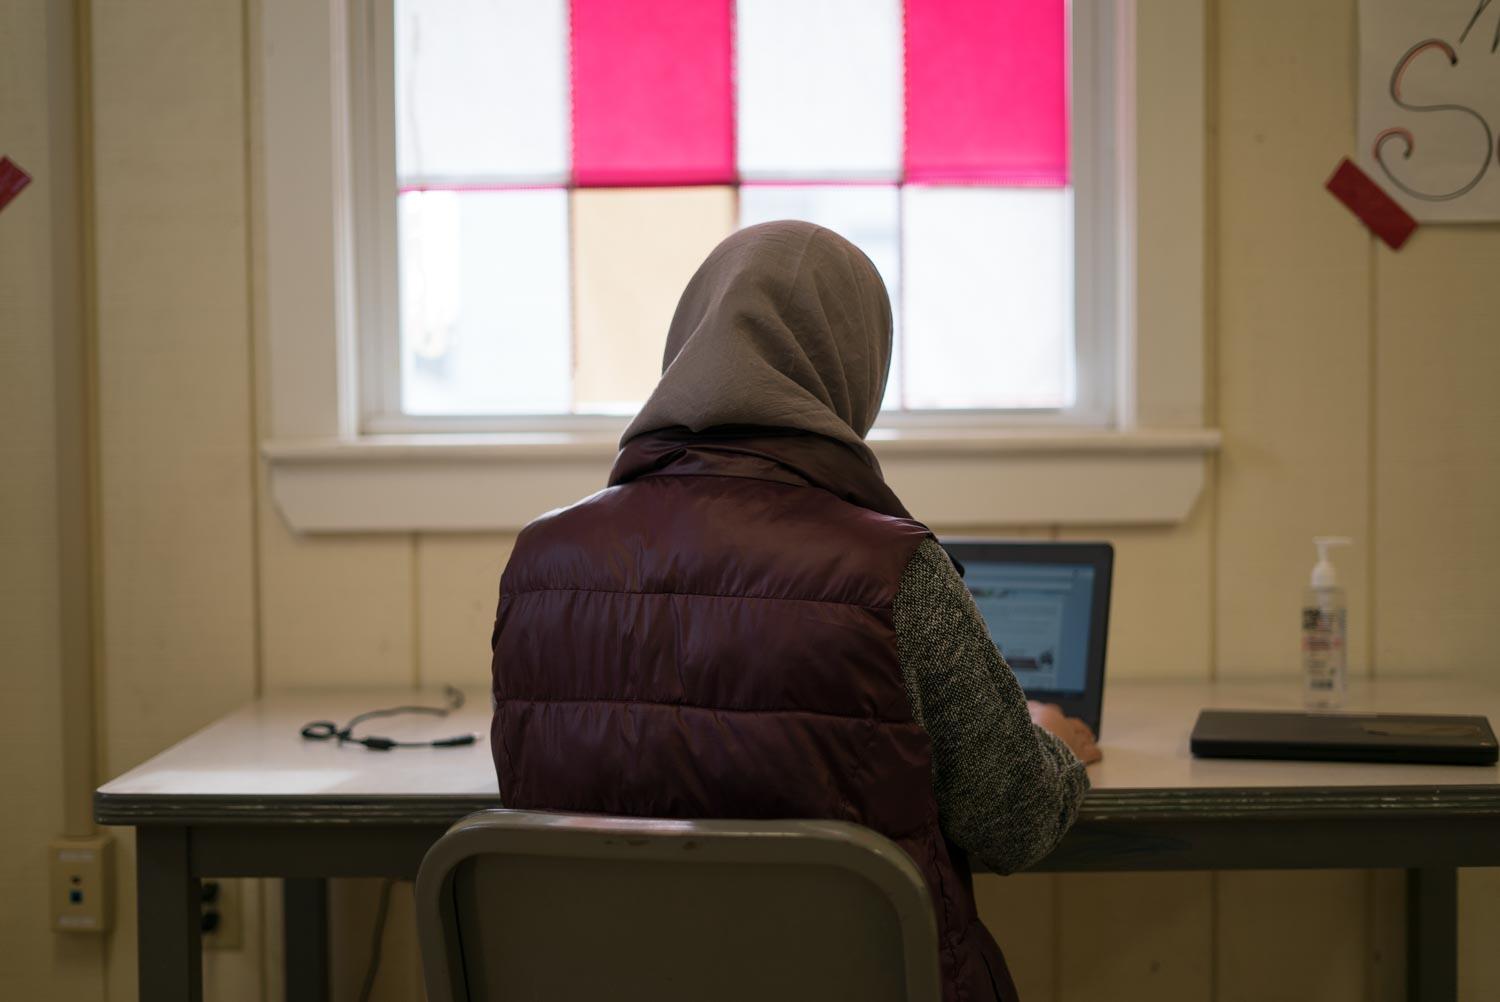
(1324, 631)
(1324, 574)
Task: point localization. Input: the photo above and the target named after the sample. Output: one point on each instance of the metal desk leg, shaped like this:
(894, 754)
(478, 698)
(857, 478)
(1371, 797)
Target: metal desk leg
(168, 916)
(305, 926)
(1432, 935)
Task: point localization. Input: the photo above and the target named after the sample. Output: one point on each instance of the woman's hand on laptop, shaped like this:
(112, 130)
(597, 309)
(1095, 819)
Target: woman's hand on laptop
(1073, 732)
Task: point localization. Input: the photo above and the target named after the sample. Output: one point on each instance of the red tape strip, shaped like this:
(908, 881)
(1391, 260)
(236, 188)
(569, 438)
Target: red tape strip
(1371, 204)
(12, 180)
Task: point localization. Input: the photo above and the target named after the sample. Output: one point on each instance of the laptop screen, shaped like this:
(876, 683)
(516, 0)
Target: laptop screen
(1039, 616)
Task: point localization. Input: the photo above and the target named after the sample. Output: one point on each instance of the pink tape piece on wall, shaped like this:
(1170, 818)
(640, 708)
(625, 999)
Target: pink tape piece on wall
(986, 92)
(652, 92)
(12, 180)
(1367, 200)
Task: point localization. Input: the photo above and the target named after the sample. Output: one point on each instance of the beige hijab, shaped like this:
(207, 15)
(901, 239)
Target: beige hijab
(785, 325)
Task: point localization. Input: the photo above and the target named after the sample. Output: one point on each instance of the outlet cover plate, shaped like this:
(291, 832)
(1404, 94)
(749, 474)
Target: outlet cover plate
(81, 887)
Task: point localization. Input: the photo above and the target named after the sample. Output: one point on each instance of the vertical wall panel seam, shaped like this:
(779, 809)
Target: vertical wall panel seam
(69, 406)
(248, 80)
(88, 287)
(414, 550)
(252, 319)
(1057, 935)
(1211, 317)
(1213, 935)
(256, 890)
(1372, 422)
(1367, 955)
(1211, 214)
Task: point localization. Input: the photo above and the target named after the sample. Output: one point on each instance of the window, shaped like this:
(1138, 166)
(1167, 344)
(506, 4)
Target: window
(544, 175)
(341, 454)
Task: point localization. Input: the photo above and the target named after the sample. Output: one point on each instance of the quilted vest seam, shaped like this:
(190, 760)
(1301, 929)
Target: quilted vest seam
(707, 708)
(513, 593)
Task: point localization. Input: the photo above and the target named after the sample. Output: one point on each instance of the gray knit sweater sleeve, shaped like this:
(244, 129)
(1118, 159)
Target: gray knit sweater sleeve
(1006, 789)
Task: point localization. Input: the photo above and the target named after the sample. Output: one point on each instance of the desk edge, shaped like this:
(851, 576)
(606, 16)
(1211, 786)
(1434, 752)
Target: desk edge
(1099, 806)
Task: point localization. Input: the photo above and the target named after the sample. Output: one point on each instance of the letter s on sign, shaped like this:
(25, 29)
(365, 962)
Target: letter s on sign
(1385, 135)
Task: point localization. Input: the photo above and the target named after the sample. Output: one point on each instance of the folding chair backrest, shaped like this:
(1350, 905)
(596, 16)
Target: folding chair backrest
(529, 906)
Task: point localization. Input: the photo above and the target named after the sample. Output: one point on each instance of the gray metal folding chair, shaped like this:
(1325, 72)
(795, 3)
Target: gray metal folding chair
(530, 906)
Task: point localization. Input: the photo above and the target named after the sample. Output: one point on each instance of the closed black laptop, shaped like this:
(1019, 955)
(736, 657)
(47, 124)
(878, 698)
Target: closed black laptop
(1345, 737)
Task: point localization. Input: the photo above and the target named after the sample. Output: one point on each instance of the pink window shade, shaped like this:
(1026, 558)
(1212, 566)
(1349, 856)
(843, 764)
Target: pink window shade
(652, 101)
(986, 92)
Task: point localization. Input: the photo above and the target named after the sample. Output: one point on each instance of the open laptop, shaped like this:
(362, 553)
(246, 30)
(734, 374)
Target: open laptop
(1047, 607)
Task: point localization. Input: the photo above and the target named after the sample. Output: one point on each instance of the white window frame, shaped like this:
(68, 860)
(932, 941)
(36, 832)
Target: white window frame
(342, 459)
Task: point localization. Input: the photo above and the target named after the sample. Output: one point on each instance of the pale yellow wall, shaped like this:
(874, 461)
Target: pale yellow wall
(1293, 328)
(1353, 386)
(177, 558)
(37, 257)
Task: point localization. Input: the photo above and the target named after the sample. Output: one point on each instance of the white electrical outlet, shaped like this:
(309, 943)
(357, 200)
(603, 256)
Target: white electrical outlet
(82, 878)
(223, 914)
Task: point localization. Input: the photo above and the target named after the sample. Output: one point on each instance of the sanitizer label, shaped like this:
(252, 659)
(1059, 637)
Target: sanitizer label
(1322, 646)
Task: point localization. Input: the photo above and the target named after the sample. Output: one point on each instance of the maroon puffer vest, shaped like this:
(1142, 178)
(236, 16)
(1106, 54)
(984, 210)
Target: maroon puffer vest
(711, 637)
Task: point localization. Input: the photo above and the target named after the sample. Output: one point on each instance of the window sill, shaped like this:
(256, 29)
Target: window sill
(982, 478)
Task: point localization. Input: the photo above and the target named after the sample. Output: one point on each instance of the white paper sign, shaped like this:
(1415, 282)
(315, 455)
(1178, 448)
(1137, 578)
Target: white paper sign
(1429, 105)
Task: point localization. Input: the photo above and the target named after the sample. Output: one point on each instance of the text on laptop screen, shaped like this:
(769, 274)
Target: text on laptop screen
(1039, 616)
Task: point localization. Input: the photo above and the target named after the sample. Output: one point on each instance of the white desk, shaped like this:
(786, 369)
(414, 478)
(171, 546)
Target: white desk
(248, 797)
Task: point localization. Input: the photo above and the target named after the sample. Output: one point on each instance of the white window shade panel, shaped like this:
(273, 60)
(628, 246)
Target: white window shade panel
(819, 89)
(485, 325)
(868, 216)
(482, 91)
(988, 278)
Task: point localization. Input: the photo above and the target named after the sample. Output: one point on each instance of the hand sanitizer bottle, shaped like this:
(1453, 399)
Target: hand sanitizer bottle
(1324, 632)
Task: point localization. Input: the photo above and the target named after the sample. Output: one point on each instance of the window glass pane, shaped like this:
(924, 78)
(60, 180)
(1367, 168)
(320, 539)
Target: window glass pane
(989, 297)
(482, 91)
(634, 251)
(484, 302)
(819, 89)
(651, 92)
(537, 300)
(986, 91)
(867, 216)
